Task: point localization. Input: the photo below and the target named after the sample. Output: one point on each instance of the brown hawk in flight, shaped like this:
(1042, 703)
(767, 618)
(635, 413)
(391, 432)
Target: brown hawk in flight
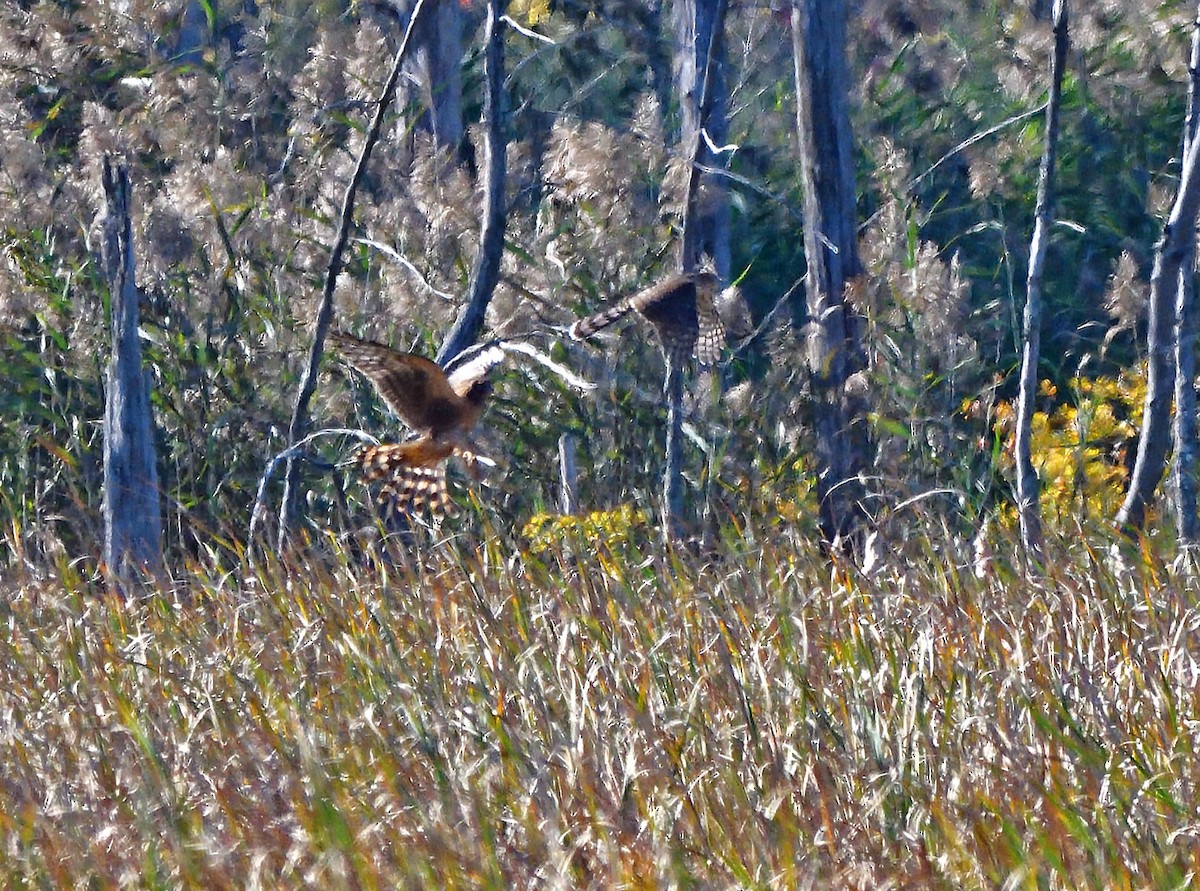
(681, 309)
(442, 407)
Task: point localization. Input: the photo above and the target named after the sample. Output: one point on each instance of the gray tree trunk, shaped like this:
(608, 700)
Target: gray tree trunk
(486, 272)
(1174, 247)
(132, 510)
(1028, 506)
(1184, 433)
(658, 59)
(439, 63)
(568, 475)
(434, 68)
(831, 251)
(700, 29)
(702, 89)
(672, 497)
(195, 34)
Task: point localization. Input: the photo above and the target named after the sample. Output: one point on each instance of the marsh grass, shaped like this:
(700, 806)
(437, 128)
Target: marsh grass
(477, 716)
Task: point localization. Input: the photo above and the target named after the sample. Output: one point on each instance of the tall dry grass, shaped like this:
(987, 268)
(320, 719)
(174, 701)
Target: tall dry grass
(477, 716)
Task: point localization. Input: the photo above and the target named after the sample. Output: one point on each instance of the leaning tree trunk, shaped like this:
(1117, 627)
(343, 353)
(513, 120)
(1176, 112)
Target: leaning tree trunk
(658, 57)
(486, 273)
(704, 100)
(308, 383)
(1028, 507)
(132, 512)
(1187, 523)
(1174, 247)
(831, 251)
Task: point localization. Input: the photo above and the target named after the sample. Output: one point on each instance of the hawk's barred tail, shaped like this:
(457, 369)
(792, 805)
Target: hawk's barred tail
(712, 339)
(413, 490)
(585, 328)
(414, 475)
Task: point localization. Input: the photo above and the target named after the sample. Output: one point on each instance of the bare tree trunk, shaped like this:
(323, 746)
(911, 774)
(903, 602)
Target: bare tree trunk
(194, 34)
(1175, 245)
(672, 499)
(703, 99)
(486, 273)
(299, 423)
(702, 93)
(831, 251)
(132, 512)
(1028, 507)
(658, 59)
(1187, 523)
(568, 475)
(434, 66)
(439, 58)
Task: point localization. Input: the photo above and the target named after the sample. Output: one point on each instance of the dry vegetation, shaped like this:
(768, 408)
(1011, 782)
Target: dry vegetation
(489, 718)
(570, 705)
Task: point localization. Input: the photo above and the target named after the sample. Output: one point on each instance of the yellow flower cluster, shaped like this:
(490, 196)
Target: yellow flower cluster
(608, 528)
(1081, 446)
(533, 12)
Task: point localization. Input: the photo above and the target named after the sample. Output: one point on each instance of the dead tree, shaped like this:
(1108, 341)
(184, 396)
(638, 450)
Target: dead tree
(439, 59)
(1187, 523)
(1028, 507)
(700, 79)
(1174, 247)
(132, 510)
(486, 272)
(434, 66)
(834, 350)
(703, 100)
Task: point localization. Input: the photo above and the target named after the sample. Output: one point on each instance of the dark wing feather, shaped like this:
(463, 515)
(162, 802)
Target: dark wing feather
(414, 387)
(680, 309)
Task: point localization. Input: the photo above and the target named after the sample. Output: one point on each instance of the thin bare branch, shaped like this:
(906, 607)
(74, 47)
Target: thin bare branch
(1187, 523)
(308, 383)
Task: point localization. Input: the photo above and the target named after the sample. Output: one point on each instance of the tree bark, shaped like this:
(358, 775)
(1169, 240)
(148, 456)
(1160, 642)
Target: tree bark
(1175, 245)
(132, 510)
(704, 101)
(486, 272)
(568, 475)
(434, 66)
(308, 383)
(1186, 322)
(658, 60)
(195, 34)
(1028, 506)
(830, 247)
(672, 497)
(700, 26)
(439, 61)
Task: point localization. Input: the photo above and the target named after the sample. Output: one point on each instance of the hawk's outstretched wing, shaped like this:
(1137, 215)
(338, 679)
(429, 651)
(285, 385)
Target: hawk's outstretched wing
(681, 310)
(468, 372)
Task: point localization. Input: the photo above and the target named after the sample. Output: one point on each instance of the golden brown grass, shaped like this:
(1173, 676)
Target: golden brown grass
(494, 719)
